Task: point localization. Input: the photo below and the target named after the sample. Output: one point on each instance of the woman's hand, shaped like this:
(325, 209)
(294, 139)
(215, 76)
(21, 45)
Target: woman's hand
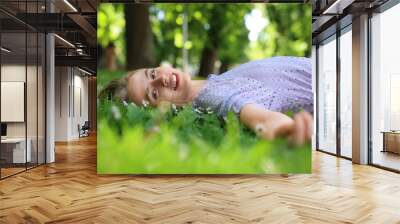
(302, 128)
(269, 124)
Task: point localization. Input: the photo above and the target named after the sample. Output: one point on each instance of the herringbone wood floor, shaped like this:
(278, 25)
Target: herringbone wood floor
(69, 191)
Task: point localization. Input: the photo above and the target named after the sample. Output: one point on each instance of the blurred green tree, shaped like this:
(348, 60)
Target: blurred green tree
(167, 22)
(226, 37)
(289, 30)
(110, 28)
(217, 32)
(234, 38)
(209, 53)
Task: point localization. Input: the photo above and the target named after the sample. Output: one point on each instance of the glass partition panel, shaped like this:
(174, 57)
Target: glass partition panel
(385, 89)
(346, 93)
(327, 95)
(32, 98)
(33, 73)
(15, 151)
(22, 87)
(41, 98)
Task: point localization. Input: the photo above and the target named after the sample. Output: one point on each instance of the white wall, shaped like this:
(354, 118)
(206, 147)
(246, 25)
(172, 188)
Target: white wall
(14, 73)
(12, 101)
(71, 87)
(80, 88)
(61, 103)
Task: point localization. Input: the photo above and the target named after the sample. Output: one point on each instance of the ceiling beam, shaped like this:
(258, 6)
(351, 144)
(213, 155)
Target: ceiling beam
(206, 1)
(78, 61)
(86, 27)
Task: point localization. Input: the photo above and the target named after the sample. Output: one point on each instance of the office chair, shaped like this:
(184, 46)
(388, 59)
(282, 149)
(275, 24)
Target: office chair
(84, 130)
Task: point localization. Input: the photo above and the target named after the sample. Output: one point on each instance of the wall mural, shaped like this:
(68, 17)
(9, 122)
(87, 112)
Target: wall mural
(204, 88)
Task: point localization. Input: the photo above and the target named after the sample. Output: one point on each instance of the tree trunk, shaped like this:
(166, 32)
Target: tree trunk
(224, 67)
(138, 36)
(111, 58)
(207, 61)
(210, 51)
(175, 61)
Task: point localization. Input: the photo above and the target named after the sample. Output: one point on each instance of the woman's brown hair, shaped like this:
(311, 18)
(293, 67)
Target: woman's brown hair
(116, 89)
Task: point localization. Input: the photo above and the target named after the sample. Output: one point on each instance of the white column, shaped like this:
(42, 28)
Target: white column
(50, 92)
(360, 90)
(314, 90)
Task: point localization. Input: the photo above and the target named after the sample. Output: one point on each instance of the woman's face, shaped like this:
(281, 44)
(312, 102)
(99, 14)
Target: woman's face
(155, 85)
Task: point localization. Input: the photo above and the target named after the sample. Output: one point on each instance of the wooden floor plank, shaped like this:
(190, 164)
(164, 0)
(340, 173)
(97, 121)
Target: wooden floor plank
(70, 191)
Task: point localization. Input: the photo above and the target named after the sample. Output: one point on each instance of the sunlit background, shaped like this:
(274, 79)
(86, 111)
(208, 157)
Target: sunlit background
(200, 38)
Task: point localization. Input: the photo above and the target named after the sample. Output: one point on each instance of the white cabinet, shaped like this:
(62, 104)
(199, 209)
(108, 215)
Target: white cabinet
(18, 149)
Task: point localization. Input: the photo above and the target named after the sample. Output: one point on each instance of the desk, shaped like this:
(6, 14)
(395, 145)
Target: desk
(391, 141)
(16, 147)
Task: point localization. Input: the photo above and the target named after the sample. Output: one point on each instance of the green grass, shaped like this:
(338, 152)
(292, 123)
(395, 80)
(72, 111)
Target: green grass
(137, 140)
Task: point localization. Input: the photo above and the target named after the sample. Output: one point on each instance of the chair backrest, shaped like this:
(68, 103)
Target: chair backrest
(86, 124)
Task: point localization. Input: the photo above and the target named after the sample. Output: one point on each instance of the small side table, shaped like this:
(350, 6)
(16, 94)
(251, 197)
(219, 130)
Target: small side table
(391, 141)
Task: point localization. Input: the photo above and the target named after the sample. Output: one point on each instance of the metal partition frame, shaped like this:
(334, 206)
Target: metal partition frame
(387, 5)
(318, 93)
(364, 152)
(44, 75)
(340, 30)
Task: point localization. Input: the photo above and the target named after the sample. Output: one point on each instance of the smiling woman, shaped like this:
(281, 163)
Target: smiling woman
(258, 92)
(163, 84)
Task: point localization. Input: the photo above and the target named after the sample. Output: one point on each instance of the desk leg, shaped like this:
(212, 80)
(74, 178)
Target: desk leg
(384, 142)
